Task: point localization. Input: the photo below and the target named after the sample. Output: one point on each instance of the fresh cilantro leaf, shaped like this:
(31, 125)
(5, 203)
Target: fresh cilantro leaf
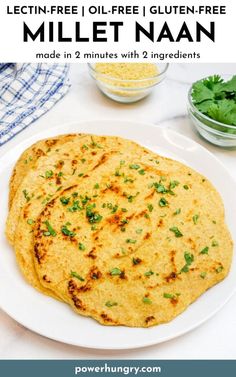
(74, 274)
(147, 300)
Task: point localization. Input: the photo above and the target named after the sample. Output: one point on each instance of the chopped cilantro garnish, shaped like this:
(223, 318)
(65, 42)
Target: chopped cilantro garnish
(94, 144)
(96, 186)
(75, 206)
(30, 221)
(173, 184)
(203, 275)
(129, 240)
(185, 268)
(48, 174)
(147, 300)
(93, 217)
(66, 231)
(149, 273)
(160, 187)
(115, 271)
(189, 258)
(134, 166)
(85, 199)
(178, 211)
(114, 209)
(124, 210)
(26, 195)
(74, 274)
(176, 231)
(141, 172)
(219, 269)
(138, 231)
(117, 173)
(50, 231)
(163, 202)
(64, 200)
(171, 295)
(136, 261)
(131, 197)
(128, 180)
(109, 304)
(214, 243)
(185, 187)
(195, 219)
(83, 160)
(85, 147)
(205, 250)
(81, 246)
(168, 295)
(150, 207)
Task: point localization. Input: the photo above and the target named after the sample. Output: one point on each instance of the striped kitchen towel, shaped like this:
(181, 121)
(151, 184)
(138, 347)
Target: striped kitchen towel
(28, 91)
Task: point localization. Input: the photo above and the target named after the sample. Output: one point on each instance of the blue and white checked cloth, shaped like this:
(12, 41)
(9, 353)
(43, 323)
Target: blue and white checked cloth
(28, 91)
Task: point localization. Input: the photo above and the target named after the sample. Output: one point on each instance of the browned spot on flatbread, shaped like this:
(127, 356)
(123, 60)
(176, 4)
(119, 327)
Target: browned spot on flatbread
(94, 273)
(192, 243)
(51, 142)
(140, 214)
(114, 219)
(39, 152)
(46, 279)
(160, 223)
(147, 236)
(149, 319)
(60, 164)
(91, 253)
(72, 289)
(106, 318)
(101, 161)
(149, 196)
(171, 277)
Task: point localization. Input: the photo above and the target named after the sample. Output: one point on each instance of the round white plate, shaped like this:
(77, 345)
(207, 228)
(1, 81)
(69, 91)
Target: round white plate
(56, 320)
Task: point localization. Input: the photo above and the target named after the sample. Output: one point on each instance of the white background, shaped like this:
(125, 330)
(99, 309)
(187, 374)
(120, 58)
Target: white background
(165, 107)
(12, 47)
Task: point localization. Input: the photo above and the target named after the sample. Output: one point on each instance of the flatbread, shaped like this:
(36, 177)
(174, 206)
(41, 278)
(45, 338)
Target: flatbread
(134, 253)
(71, 163)
(30, 156)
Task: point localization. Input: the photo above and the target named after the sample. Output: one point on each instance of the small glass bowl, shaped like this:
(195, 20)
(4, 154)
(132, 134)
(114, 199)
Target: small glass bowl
(127, 91)
(213, 131)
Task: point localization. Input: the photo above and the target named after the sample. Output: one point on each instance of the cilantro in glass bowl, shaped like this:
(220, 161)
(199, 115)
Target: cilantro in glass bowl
(212, 109)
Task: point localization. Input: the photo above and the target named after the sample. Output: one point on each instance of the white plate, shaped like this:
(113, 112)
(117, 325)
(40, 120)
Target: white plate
(56, 320)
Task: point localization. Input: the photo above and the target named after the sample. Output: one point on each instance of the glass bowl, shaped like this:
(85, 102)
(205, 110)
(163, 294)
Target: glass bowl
(127, 91)
(213, 131)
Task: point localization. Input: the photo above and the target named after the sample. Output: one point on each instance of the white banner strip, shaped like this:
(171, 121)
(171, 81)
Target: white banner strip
(117, 30)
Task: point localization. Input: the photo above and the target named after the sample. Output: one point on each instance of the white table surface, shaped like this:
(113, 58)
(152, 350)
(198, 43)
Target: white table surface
(165, 107)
